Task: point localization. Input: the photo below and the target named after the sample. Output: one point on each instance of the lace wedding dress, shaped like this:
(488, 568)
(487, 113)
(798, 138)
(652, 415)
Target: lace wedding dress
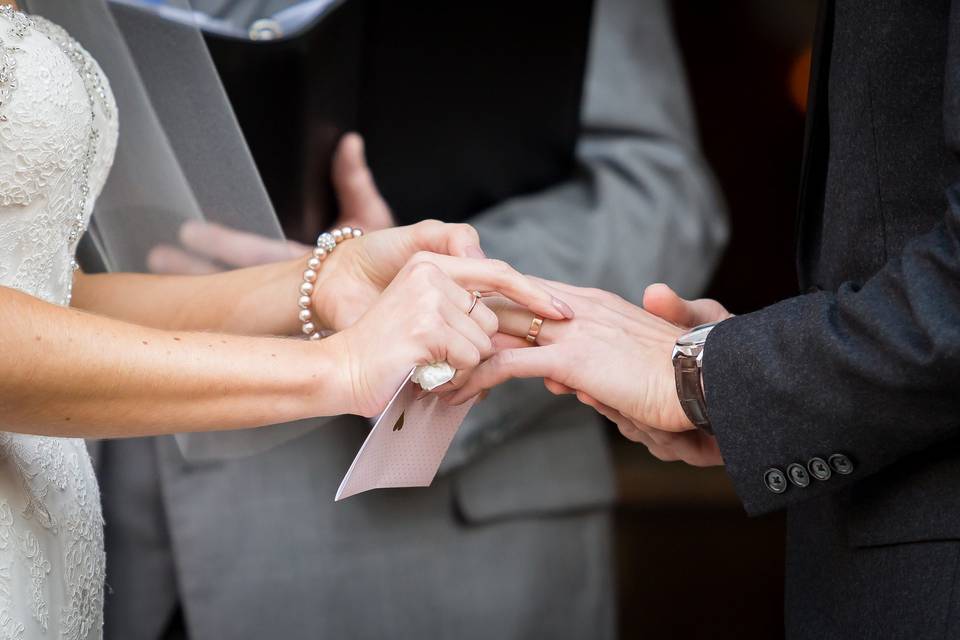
(58, 134)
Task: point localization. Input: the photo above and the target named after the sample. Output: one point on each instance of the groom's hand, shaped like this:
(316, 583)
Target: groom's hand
(612, 351)
(616, 352)
(696, 448)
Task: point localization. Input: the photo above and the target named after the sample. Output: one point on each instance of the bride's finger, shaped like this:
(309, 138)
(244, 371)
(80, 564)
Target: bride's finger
(469, 329)
(608, 299)
(480, 274)
(468, 305)
(458, 351)
(487, 319)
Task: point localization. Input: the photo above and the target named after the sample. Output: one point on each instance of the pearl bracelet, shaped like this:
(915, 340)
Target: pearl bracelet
(326, 243)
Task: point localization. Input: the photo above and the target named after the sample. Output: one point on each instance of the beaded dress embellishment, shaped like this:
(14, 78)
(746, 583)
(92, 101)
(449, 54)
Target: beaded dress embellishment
(58, 134)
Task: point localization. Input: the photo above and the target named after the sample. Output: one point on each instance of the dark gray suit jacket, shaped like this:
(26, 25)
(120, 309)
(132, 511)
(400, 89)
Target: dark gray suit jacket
(866, 366)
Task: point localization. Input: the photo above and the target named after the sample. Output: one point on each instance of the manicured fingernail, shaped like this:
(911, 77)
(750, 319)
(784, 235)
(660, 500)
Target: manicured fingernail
(563, 308)
(473, 251)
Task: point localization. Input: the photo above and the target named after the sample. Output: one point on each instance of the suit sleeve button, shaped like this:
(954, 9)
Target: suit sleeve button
(774, 480)
(798, 475)
(819, 469)
(841, 464)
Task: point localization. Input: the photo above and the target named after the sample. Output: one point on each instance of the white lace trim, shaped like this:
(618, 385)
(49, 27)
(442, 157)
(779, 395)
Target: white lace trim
(58, 134)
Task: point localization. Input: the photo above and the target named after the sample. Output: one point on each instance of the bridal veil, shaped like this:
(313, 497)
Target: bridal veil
(181, 156)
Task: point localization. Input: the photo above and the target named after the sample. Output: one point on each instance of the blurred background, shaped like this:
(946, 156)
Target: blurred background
(747, 64)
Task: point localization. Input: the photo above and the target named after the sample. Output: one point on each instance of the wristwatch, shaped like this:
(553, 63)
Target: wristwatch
(688, 369)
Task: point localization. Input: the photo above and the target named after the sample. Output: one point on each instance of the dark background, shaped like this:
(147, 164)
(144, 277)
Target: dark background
(690, 563)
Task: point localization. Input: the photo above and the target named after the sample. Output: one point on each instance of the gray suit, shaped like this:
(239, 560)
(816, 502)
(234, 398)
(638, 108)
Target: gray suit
(513, 540)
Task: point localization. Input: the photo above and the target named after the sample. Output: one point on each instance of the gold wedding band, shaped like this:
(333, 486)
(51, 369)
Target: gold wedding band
(534, 331)
(476, 298)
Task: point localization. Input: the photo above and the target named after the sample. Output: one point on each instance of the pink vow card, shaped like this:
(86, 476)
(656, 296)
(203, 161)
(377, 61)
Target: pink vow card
(406, 445)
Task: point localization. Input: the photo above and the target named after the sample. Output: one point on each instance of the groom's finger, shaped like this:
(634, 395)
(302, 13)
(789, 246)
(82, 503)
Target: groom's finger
(542, 362)
(631, 431)
(447, 388)
(662, 301)
(627, 427)
(515, 320)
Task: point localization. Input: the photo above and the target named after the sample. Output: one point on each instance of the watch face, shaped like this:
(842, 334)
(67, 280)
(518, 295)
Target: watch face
(696, 336)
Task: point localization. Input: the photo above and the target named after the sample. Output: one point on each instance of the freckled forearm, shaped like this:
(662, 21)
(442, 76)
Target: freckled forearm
(68, 373)
(253, 301)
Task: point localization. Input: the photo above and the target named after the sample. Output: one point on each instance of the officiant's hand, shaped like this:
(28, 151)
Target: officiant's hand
(210, 248)
(361, 204)
(427, 314)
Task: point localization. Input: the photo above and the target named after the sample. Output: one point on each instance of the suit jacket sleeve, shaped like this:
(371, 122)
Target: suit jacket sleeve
(872, 372)
(642, 208)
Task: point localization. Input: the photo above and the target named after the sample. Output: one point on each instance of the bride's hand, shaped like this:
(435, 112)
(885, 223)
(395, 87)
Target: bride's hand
(357, 271)
(424, 315)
